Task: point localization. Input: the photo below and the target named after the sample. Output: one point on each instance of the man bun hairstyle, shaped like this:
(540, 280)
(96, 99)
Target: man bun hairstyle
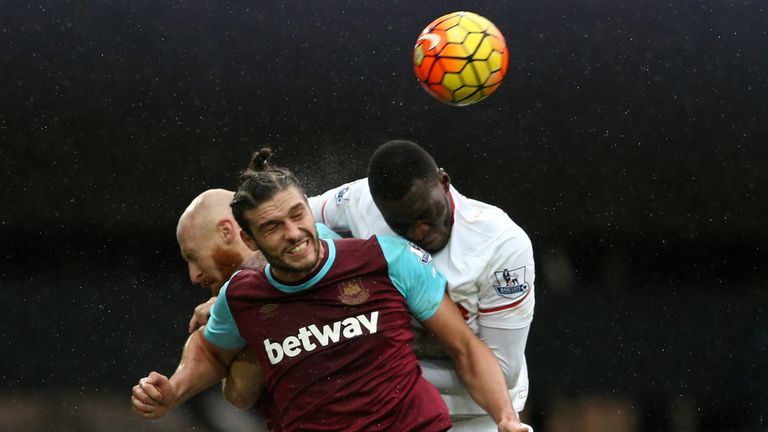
(258, 183)
(395, 166)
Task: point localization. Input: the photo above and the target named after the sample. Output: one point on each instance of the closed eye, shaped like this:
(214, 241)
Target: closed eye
(269, 227)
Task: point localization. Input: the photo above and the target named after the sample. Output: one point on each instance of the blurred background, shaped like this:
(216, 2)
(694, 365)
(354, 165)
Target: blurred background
(628, 139)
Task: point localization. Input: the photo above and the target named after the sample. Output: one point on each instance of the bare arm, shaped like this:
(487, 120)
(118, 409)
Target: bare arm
(245, 379)
(201, 314)
(475, 364)
(202, 365)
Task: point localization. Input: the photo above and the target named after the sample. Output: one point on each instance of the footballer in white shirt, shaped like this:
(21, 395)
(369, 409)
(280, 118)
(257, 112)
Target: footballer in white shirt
(486, 258)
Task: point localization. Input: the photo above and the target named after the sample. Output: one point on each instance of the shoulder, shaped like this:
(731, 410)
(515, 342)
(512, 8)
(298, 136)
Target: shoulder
(481, 226)
(399, 250)
(357, 249)
(354, 191)
(254, 262)
(355, 243)
(324, 232)
(243, 280)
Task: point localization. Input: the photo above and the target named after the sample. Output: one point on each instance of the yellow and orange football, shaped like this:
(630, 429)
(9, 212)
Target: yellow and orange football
(460, 58)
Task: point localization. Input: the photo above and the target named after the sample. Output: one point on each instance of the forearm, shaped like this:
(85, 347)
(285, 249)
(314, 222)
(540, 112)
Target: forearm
(244, 381)
(475, 363)
(507, 345)
(199, 369)
(481, 374)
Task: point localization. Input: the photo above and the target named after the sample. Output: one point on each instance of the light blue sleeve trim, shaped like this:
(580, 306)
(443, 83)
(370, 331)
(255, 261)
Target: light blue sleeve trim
(326, 233)
(310, 283)
(221, 329)
(411, 271)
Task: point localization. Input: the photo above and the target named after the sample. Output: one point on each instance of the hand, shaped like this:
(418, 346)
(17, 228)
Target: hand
(201, 314)
(153, 396)
(514, 426)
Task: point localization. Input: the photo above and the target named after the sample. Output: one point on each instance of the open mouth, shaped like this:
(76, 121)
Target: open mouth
(299, 248)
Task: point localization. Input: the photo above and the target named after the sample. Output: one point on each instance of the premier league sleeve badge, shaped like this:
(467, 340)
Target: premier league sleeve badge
(510, 283)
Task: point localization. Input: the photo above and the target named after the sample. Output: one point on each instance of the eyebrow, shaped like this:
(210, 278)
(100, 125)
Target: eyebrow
(295, 207)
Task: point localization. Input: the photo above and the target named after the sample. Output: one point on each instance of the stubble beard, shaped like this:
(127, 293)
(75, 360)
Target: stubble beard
(278, 263)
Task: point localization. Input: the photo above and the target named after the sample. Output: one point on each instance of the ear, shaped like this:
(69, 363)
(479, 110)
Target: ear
(444, 179)
(226, 229)
(249, 241)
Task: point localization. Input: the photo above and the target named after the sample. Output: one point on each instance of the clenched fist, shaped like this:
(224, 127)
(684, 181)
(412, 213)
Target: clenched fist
(153, 396)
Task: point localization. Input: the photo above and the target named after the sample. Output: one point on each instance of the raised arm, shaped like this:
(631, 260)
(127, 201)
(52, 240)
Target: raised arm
(476, 365)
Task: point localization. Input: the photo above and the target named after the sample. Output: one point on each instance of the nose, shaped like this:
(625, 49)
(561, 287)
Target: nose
(292, 231)
(195, 274)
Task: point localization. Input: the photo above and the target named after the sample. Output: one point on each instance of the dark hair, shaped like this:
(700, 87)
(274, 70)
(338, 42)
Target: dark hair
(258, 183)
(395, 166)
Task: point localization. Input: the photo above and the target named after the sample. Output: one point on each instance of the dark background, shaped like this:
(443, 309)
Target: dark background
(627, 139)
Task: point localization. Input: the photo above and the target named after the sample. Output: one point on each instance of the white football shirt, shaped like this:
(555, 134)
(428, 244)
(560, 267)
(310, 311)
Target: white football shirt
(488, 263)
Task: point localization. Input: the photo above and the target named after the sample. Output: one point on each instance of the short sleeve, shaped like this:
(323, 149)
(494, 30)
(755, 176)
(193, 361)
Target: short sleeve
(221, 329)
(331, 207)
(412, 273)
(326, 233)
(507, 296)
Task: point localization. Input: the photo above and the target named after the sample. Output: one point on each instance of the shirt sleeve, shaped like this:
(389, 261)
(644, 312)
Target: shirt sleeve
(332, 207)
(412, 273)
(508, 346)
(506, 296)
(505, 310)
(326, 233)
(221, 329)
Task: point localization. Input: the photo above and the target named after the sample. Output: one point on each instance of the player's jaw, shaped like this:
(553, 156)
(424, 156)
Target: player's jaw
(210, 279)
(297, 258)
(435, 241)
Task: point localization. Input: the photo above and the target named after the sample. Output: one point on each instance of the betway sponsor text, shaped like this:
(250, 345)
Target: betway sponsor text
(311, 336)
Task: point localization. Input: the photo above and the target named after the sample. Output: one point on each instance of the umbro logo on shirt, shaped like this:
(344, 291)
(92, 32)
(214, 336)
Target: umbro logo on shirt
(310, 337)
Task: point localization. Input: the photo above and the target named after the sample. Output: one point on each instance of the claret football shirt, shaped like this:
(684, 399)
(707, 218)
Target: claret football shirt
(335, 347)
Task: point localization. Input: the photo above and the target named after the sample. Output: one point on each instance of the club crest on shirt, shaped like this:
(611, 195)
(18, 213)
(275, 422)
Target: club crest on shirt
(510, 283)
(424, 256)
(353, 292)
(267, 311)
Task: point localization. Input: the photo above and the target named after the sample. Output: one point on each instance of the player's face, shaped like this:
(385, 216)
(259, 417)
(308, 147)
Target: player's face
(423, 216)
(284, 231)
(209, 261)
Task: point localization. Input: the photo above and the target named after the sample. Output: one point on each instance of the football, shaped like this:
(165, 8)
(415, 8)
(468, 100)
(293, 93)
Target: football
(460, 58)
